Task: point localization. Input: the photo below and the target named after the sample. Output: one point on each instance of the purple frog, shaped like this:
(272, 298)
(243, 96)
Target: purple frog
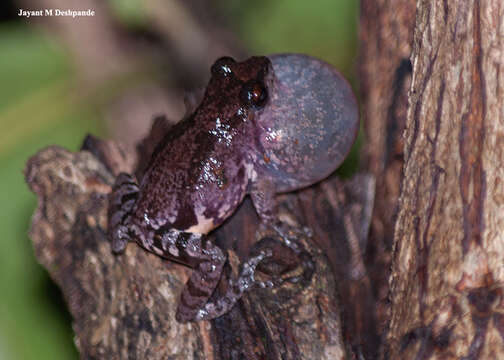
(266, 125)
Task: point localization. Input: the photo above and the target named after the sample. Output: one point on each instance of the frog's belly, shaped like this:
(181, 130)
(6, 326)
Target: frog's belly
(204, 226)
(215, 206)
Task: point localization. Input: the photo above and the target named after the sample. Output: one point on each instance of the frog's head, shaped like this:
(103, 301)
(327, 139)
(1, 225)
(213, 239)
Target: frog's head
(237, 90)
(308, 124)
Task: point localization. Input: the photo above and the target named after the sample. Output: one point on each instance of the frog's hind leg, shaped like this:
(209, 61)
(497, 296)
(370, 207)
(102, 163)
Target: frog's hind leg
(198, 290)
(207, 260)
(198, 252)
(234, 292)
(121, 202)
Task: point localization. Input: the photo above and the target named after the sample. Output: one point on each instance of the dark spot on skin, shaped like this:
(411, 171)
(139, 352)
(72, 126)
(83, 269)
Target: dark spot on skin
(129, 183)
(185, 216)
(241, 174)
(182, 240)
(128, 197)
(156, 241)
(220, 176)
(124, 216)
(197, 291)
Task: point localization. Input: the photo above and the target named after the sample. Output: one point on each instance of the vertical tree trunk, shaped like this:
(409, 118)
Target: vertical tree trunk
(386, 38)
(447, 292)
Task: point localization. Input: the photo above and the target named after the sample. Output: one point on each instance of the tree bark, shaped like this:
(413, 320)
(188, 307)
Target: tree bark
(386, 38)
(447, 293)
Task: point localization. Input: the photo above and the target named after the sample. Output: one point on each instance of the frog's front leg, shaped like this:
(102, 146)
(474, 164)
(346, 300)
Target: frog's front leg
(262, 193)
(263, 196)
(122, 199)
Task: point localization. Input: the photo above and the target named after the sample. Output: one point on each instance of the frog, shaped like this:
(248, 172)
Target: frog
(265, 126)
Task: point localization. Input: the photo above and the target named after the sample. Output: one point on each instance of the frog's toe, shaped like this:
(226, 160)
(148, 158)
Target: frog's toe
(120, 239)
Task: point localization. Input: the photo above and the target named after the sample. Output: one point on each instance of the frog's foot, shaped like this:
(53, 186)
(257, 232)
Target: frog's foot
(121, 201)
(200, 253)
(197, 291)
(289, 254)
(235, 290)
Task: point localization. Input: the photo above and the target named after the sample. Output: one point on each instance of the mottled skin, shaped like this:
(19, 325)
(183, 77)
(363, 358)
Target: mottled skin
(265, 125)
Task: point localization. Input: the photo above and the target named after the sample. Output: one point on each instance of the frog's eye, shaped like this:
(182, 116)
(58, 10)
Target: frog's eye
(254, 93)
(222, 66)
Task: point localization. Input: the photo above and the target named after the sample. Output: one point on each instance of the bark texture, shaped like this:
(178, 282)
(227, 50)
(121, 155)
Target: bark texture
(447, 284)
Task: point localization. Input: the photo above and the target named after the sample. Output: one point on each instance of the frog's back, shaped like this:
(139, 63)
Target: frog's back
(198, 173)
(191, 180)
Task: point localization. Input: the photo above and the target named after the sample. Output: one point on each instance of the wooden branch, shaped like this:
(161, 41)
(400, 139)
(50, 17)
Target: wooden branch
(124, 306)
(447, 285)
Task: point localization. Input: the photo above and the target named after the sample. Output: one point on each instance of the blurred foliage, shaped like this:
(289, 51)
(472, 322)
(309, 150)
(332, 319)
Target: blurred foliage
(327, 30)
(36, 110)
(129, 12)
(39, 106)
